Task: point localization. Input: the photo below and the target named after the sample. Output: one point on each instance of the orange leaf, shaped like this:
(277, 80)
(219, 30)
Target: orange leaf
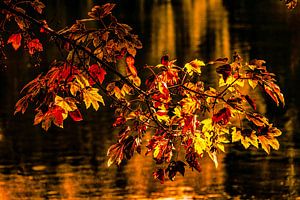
(271, 94)
(264, 143)
(34, 45)
(130, 64)
(15, 40)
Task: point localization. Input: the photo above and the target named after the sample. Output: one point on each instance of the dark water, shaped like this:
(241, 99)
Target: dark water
(70, 163)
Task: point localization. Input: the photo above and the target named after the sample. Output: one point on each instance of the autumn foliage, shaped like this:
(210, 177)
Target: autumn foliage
(184, 117)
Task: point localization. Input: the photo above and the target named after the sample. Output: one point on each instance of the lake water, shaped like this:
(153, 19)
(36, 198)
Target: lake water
(70, 163)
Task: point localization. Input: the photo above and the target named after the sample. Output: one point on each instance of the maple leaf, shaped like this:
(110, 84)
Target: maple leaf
(246, 136)
(21, 105)
(162, 115)
(192, 159)
(194, 66)
(34, 45)
(68, 103)
(99, 12)
(15, 40)
(291, 4)
(159, 174)
(222, 116)
(92, 97)
(267, 138)
(175, 167)
(54, 114)
(38, 6)
(131, 70)
(199, 144)
(225, 70)
(82, 81)
(257, 119)
(96, 72)
(165, 60)
(189, 104)
(76, 115)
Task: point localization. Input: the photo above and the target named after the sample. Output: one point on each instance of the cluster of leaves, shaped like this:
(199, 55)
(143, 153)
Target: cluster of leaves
(185, 118)
(290, 4)
(87, 52)
(184, 112)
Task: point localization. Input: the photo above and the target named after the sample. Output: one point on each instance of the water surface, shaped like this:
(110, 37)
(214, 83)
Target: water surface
(70, 163)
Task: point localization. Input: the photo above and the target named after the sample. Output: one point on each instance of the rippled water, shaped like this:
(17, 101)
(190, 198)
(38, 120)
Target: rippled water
(70, 163)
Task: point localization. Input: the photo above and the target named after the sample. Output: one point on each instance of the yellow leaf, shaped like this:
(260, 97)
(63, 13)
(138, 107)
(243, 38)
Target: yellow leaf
(236, 135)
(126, 89)
(199, 144)
(162, 115)
(177, 111)
(68, 104)
(194, 66)
(92, 97)
(240, 83)
(136, 80)
(274, 143)
(74, 88)
(245, 143)
(156, 151)
(221, 147)
(264, 144)
(131, 115)
(214, 158)
(253, 140)
(189, 104)
(253, 83)
(82, 81)
(275, 131)
(118, 92)
(207, 125)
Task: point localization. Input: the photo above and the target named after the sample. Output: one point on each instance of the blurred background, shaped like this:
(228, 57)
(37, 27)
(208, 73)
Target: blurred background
(70, 163)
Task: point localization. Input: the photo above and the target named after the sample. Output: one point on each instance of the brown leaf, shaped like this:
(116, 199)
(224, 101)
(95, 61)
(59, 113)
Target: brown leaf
(225, 70)
(159, 174)
(219, 61)
(250, 101)
(38, 6)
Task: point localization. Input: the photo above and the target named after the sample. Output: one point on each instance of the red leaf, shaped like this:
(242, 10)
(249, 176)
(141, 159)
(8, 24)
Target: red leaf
(96, 72)
(57, 113)
(222, 116)
(15, 40)
(225, 70)
(187, 124)
(122, 53)
(34, 45)
(165, 60)
(76, 115)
